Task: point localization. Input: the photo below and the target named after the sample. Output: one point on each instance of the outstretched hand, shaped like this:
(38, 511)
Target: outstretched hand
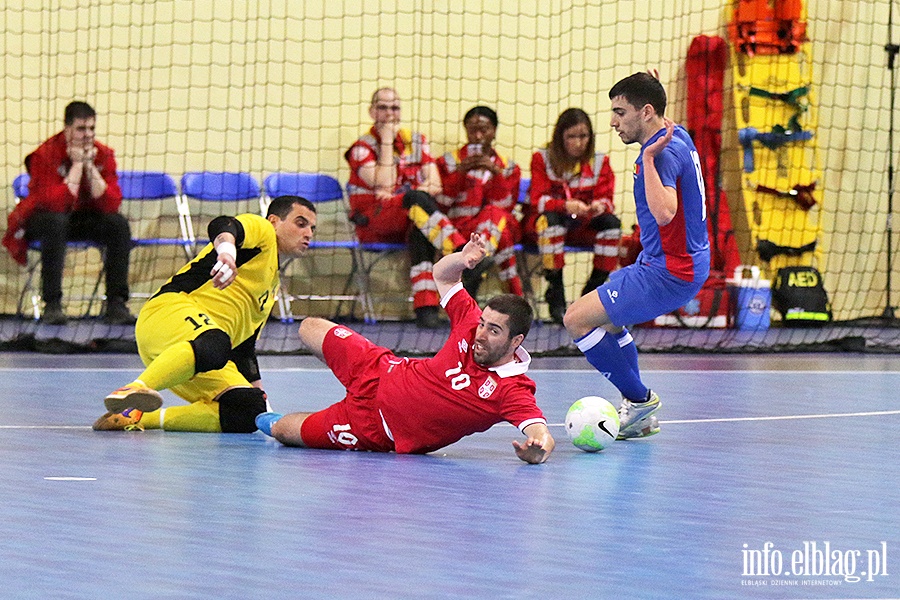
(474, 251)
(538, 445)
(653, 150)
(532, 451)
(448, 271)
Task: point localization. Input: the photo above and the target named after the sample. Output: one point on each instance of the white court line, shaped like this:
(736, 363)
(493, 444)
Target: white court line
(45, 426)
(785, 417)
(771, 418)
(724, 371)
(137, 369)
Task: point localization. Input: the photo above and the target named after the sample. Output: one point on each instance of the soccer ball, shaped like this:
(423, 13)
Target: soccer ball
(592, 423)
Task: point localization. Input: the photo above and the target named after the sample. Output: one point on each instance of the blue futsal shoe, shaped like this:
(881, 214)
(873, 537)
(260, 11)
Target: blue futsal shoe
(264, 421)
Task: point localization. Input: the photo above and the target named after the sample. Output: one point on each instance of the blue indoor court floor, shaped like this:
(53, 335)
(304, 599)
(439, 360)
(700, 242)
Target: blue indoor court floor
(773, 477)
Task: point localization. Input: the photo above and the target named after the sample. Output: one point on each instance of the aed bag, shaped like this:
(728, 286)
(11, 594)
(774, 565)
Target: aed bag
(799, 295)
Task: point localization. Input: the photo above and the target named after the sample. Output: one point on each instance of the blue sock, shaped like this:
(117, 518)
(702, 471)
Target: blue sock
(604, 353)
(629, 350)
(264, 421)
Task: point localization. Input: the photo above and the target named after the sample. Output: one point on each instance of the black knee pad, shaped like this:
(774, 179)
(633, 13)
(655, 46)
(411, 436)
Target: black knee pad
(238, 408)
(211, 350)
(420, 198)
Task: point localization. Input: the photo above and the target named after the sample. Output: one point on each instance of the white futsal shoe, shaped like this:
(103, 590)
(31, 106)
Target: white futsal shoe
(638, 419)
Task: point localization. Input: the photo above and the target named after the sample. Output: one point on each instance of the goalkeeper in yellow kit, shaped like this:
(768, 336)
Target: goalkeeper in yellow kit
(197, 335)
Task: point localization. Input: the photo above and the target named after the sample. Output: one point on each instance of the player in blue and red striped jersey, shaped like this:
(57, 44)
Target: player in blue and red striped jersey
(674, 264)
(415, 406)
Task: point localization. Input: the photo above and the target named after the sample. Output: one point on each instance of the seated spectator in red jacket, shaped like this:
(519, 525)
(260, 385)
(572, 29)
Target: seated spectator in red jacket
(480, 190)
(571, 203)
(393, 182)
(73, 195)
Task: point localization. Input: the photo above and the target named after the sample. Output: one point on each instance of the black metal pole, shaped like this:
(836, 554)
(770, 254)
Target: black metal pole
(892, 50)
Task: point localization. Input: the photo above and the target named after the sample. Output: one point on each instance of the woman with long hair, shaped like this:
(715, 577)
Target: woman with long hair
(571, 203)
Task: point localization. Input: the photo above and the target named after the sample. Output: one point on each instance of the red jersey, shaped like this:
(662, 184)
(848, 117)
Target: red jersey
(48, 166)
(466, 193)
(588, 181)
(430, 403)
(411, 153)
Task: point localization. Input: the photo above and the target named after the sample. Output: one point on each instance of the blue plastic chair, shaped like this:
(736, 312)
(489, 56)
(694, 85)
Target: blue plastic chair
(20, 189)
(320, 189)
(140, 185)
(524, 187)
(315, 187)
(216, 193)
(20, 186)
(379, 252)
(527, 274)
(219, 186)
(145, 187)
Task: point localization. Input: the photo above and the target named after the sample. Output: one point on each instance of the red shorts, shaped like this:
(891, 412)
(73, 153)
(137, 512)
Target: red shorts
(354, 423)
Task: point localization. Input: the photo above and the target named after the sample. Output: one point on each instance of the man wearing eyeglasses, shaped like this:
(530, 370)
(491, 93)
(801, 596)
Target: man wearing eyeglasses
(393, 182)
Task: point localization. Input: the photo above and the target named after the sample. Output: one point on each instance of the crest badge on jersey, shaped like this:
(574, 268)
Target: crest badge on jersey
(487, 388)
(342, 332)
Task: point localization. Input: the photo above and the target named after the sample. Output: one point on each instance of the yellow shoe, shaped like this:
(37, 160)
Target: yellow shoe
(128, 420)
(133, 396)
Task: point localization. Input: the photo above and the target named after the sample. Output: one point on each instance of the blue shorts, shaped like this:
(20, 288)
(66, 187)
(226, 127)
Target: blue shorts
(640, 293)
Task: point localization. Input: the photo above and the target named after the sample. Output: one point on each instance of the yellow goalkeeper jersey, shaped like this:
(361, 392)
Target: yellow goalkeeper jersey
(242, 307)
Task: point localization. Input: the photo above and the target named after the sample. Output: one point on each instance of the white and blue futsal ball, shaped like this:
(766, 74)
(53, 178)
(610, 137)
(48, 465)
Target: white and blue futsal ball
(592, 423)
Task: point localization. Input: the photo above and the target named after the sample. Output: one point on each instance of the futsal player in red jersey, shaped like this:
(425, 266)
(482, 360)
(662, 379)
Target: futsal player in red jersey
(415, 406)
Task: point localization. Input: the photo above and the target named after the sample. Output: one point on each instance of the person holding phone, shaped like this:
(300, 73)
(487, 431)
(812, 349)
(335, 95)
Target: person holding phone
(480, 190)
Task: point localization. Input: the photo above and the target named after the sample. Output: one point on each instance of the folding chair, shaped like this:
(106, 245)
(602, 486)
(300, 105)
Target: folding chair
(380, 250)
(161, 228)
(208, 194)
(145, 195)
(20, 189)
(526, 271)
(334, 232)
(20, 186)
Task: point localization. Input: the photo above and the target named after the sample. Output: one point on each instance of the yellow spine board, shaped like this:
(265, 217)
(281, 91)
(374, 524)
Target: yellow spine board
(778, 219)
